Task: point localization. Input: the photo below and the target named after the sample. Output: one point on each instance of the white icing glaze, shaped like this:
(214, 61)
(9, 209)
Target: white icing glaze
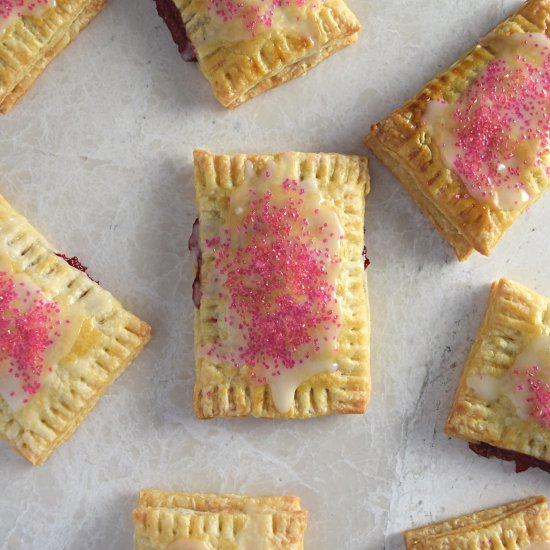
(188, 544)
(12, 10)
(256, 533)
(324, 233)
(532, 363)
(516, 51)
(241, 20)
(71, 320)
(486, 386)
(283, 387)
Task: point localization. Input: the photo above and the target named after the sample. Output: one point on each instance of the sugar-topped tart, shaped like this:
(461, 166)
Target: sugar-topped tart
(246, 47)
(502, 405)
(282, 320)
(63, 340)
(32, 33)
(520, 525)
(194, 521)
(473, 147)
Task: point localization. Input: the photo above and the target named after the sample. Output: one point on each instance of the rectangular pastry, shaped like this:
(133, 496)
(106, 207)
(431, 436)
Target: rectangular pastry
(192, 521)
(245, 48)
(520, 525)
(63, 340)
(472, 147)
(32, 33)
(502, 405)
(282, 320)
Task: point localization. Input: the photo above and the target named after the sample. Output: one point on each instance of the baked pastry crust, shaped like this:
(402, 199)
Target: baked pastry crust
(29, 44)
(161, 518)
(221, 389)
(515, 315)
(241, 70)
(511, 526)
(408, 149)
(101, 352)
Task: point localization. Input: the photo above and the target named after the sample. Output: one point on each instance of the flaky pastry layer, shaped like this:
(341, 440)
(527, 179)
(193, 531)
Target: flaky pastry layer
(508, 527)
(239, 71)
(161, 518)
(223, 390)
(109, 340)
(28, 45)
(515, 315)
(405, 145)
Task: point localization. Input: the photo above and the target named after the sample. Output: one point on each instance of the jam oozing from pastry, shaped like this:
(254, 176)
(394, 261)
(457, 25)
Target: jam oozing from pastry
(366, 261)
(277, 262)
(34, 335)
(523, 462)
(526, 384)
(498, 131)
(194, 248)
(187, 544)
(75, 262)
(12, 10)
(172, 17)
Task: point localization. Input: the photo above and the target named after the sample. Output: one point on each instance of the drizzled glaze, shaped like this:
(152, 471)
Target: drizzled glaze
(12, 10)
(241, 20)
(255, 535)
(498, 131)
(34, 335)
(277, 265)
(527, 384)
(188, 544)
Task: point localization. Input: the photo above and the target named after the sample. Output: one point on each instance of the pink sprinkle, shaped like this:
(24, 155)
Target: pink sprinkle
(17, 8)
(256, 14)
(25, 333)
(539, 395)
(502, 100)
(275, 282)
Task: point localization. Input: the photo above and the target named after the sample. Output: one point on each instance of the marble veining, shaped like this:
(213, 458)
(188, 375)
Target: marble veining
(99, 156)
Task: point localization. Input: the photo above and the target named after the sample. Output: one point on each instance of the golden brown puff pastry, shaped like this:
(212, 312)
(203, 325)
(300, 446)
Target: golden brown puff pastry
(254, 337)
(472, 170)
(246, 48)
(28, 43)
(193, 521)
(63, 340)
(501, 402)
(520, 525)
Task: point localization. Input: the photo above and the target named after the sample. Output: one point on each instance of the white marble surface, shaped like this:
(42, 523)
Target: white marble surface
(98, 156)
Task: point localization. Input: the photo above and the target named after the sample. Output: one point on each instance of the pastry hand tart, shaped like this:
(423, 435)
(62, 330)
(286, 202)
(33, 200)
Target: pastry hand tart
(502, 405)
(63, 340)
(246, 47)
(194, 521)
(32, 33)
(473, 147)
(520, 525)
(282, 325)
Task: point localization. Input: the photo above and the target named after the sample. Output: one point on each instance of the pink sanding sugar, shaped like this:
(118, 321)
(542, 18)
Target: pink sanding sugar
(28, 327)
(8, 8)
(255, 14)
(507, 105)
(275, 282)
(539, 397)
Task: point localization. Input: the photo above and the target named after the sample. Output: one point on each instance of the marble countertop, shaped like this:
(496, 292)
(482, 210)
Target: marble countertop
(98, 155)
